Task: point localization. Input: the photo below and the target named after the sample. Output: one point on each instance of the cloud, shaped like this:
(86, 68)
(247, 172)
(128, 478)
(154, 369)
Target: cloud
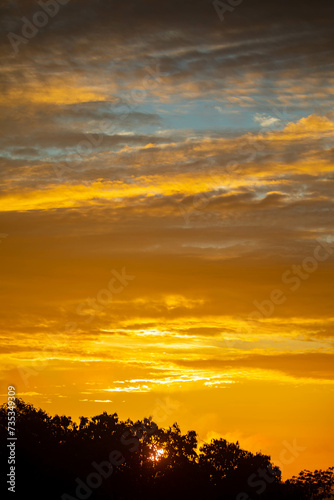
(266, 120)
(198, 155)
(306, 365)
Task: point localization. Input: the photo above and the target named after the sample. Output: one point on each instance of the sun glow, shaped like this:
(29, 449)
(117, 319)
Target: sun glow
(156, 454)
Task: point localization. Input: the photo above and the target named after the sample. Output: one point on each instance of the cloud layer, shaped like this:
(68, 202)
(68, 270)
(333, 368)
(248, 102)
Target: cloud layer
(197, 155)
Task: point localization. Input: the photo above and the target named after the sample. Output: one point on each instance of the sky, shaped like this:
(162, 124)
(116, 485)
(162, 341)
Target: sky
(166, 227)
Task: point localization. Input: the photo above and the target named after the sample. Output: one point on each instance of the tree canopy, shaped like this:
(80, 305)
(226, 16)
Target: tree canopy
(105, 458)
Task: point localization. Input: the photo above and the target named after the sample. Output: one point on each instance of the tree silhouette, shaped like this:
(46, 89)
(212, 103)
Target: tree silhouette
(105, 458)
(315, 485)
(228, 466)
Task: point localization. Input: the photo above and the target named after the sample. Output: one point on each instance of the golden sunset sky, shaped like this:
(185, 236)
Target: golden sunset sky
(167, 242)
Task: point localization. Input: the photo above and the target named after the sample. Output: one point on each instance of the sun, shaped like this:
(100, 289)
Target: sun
(156, 454)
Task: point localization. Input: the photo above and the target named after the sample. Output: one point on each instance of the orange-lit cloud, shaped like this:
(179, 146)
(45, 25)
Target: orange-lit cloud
(200, 160)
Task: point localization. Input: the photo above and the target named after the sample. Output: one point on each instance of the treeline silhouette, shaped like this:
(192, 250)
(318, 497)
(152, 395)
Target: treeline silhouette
(108, 459)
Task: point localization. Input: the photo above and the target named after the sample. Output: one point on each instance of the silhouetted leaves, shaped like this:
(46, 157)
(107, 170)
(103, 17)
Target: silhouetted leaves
(315, 485)
(105, 458)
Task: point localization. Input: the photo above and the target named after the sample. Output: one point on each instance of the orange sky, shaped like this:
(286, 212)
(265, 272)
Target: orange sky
(167, 241)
